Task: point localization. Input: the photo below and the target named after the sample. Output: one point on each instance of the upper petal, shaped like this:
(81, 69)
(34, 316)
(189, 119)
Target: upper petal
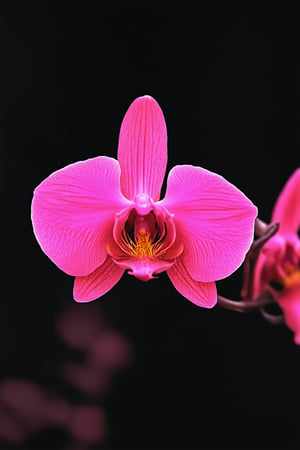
(214, 220)
(199, 293)
(287, 207)
(73, 213)
(142, 151)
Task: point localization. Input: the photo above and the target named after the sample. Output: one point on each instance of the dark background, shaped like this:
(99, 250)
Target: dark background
(224, 73)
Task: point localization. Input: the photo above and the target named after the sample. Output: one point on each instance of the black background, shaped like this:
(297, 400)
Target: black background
(224, 74)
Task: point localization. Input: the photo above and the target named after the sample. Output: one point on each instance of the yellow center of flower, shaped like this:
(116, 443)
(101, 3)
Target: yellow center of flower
(142, 245)
(292, 278)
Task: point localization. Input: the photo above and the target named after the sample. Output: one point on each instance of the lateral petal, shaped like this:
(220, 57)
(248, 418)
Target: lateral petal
(199, 293)
(98, 283)
(287, 207)
(289, 301)
(142, 150)
(73, 213)
(213, 218)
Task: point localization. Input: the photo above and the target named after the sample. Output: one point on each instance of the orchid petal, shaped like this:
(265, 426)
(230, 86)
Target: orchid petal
(289, 301)
(199, 293)
(287, 207)
(99, 282)
(213, 218)
(73, 212)
(142, 151)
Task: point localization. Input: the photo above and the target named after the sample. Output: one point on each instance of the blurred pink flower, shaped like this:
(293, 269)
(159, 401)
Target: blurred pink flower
(79, 325)
(97, 218)
(85, 378)
(88, 424)
(21, 404)
(277, 268)
(111, 351)
(105, 351)
(289, 301)
(26, 408)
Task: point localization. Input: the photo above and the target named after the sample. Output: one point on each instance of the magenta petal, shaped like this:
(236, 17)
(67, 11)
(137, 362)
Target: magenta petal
(287, 207)
(289, 301)
(142, 151)
(214, 220)
(73, 213)
(199, 293)
(99, 282)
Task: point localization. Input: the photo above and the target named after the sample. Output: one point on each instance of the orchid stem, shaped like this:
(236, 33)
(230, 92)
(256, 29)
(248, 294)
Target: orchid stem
(274, 320)
(246, 305)
(264, 233)
(260, 227)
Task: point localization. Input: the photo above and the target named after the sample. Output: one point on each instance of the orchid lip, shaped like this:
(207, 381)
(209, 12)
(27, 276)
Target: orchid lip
(144, 244)
(144, 268)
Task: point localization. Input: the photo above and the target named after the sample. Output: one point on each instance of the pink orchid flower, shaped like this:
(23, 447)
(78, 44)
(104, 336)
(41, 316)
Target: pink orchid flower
(97, 218)
(278, 265)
